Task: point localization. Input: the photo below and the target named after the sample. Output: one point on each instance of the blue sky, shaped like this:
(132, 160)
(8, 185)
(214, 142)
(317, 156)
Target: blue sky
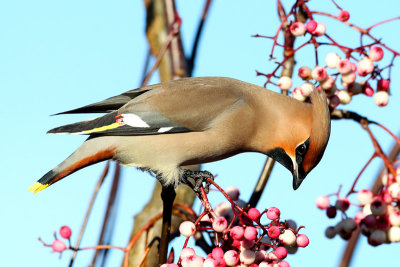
(58, 55)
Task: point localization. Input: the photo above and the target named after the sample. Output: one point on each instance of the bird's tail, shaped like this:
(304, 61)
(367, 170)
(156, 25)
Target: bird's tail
(90, 152)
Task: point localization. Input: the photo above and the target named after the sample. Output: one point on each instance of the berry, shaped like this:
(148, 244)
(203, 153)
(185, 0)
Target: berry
(186, 252)
(330, 232)
(306, 89)
(344, 96)
(296, 94)
(383, 85)
(274, 231)
(287, 238)
(367, 89)
(193, 261)
(273, 213)
(233, 192)
(297, 29)
(342, 204)
(280, 252)
(247, 244)
(334, 101)
(261, 255)
(220, 224)
(319, 74)
(332, 60)
(369, 221)
(331, 212)
(328, 84)
(344, 15)
(381, 98)
(311, 26)
(217, 253)
(305, 73)
(247, 256)
(322, 202)
(237, 232)
(359, 217)
(365, 66)
(383, 223)
(302, 241)
(65, 232)
(375, 53)
(320, 30)
(349, 225)
(254, 214)
(231, 257)
(250, 233)
(283, 264)
(285, 83)
(394, 218)
(377, 237)
(378, 207)
(58, 246)
(210, 263)
(394, 234)
(187, 228)
(344, 66)
(169, 265)
(365, 196)
(349, 78)
(224, 209)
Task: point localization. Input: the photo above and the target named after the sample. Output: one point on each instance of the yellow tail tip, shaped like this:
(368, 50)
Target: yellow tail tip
(36, 187)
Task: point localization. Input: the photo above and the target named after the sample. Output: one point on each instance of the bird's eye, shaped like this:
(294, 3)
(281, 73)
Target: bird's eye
(301, 149)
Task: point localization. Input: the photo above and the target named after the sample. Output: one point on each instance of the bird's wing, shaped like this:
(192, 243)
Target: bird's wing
(172, 107)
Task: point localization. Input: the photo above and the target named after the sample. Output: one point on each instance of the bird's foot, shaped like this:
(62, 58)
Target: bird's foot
(199, 177)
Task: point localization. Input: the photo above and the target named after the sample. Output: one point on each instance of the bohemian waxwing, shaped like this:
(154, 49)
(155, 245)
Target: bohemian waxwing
(197, 120)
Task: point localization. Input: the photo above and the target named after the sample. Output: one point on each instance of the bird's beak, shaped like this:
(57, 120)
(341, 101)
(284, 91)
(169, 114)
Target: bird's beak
(298, 177)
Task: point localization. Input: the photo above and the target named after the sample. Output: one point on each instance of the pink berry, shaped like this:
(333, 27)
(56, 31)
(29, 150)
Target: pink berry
(186, 252)
(305, 73)
(342, 203)
(331, 212)
(344, 15)
(273, 213)
(237, 232)
(302, 241)
(344, 66)
(58, 246)
(233, 192)
(274, 231)
(217, 253)
(283, 264)
(383, 85)
(280, 252)
(367, 89)
(250, 233)
(247, 256)
(311, 26)
(247, 244)
(231, 257)
(320, 30)
(365, 66)
(187, 228)
(169, 265)
(349, 78)
(322, 202)
(375, 53)
(319, 74)
(296, 94)
(365, 196)
(328, 84)
(254, 214)
(381, 98)
(220, 224)
(65, 232)
(297, 28)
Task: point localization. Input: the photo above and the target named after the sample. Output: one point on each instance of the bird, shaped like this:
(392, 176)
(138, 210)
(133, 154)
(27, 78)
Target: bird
(197, 120)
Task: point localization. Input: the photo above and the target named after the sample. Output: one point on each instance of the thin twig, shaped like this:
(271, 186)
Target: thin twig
(168, 196)
(89, 210)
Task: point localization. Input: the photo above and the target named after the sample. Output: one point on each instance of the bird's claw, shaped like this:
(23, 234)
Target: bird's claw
(199, 178)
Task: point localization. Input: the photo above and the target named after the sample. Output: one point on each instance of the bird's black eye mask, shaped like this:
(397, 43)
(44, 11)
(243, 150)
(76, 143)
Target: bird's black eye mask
(301, 151)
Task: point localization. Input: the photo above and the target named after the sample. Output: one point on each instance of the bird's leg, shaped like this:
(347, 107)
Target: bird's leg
(199, 178)
(168, 196)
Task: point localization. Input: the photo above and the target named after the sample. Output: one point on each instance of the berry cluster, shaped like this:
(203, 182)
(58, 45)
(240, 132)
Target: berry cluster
(241, 237)
(59, 245)
(379, 217)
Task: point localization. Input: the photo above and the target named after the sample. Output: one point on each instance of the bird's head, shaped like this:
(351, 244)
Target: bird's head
(305, 149)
